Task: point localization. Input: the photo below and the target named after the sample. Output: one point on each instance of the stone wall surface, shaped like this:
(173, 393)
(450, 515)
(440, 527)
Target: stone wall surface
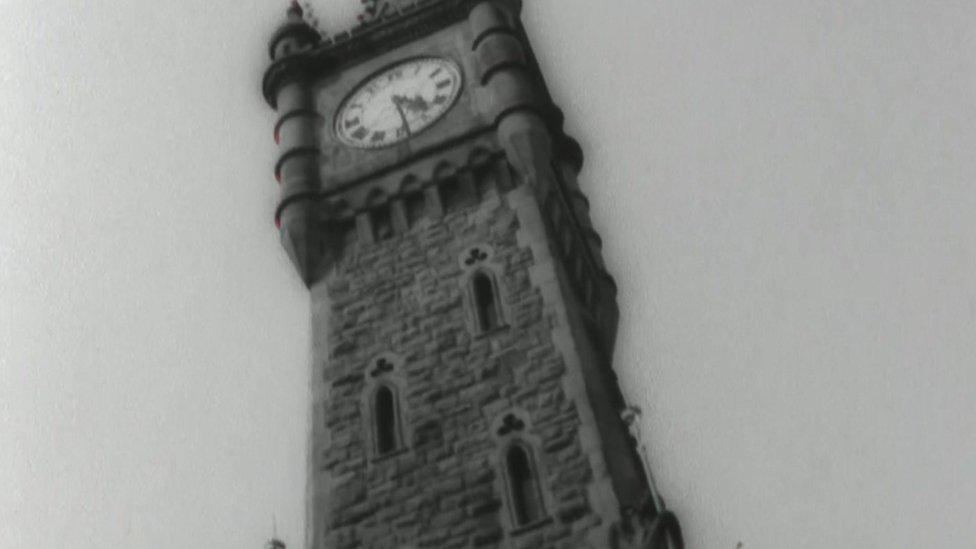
(407, 297)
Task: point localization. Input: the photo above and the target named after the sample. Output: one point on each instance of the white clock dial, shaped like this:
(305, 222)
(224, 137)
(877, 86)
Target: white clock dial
(398, 103)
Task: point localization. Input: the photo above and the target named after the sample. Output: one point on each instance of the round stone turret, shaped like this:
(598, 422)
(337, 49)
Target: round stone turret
(293, 36)
(287, 86)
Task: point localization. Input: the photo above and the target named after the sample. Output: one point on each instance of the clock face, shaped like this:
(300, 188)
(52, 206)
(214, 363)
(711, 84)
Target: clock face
(398, 103)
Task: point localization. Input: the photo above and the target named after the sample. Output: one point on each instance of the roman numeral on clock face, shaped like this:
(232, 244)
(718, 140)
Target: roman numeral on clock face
(360, 133)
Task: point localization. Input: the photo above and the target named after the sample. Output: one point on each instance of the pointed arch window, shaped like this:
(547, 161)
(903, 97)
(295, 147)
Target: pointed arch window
(523, 486)
(487, 313)
(386, 420)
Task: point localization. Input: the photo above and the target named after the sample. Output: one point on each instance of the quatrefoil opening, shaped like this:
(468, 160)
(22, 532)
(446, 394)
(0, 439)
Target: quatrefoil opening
(475, 256)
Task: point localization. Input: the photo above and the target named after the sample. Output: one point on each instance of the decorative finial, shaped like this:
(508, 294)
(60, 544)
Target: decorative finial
(373, 10)
(296, 8)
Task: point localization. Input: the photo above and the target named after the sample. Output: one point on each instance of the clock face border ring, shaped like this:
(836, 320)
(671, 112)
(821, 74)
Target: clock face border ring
(455, 68)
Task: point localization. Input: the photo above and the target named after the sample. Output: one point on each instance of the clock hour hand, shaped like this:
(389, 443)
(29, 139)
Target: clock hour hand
(417, 103)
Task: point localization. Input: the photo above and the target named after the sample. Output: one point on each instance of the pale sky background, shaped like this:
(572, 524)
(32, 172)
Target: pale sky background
(786, 189)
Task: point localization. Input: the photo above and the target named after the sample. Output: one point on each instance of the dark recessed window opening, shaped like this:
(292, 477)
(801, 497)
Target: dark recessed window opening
(485, 302)
(485, 182)
(416, 207)
(451, 196)
(347, 229)
(385, 416)
(382, 223)
(526, 498)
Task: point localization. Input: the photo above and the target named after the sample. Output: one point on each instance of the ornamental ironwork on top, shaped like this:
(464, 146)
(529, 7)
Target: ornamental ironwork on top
(385, 25)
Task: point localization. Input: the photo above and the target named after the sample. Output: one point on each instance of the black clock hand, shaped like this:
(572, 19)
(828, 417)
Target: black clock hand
(397, 102)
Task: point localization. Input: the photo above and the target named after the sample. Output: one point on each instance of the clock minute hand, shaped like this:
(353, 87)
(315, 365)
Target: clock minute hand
(398, 103)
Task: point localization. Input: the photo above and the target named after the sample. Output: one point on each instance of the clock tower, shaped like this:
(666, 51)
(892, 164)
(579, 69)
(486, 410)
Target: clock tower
(463, 321)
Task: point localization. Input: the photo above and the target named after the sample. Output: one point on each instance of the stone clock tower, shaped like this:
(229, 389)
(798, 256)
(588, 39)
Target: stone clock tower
(463, 321)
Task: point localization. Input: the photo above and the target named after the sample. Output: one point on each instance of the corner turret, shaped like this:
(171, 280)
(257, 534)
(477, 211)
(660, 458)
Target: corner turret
(293, 36)
(287, 86)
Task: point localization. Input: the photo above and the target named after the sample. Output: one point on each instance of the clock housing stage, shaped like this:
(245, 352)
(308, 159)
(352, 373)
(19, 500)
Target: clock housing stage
(398, 102)
(346, 156)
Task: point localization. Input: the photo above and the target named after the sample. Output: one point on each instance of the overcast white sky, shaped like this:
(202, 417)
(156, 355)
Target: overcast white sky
(785, 189)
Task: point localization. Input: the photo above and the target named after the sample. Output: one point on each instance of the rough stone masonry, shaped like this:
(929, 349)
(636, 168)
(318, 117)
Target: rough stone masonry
(462, 317)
